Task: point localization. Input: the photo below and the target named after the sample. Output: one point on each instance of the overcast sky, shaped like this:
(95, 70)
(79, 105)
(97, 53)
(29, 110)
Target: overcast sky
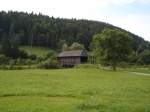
(132, 15)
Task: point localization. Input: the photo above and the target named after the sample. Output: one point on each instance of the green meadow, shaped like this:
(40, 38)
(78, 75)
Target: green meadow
(73, 90)
(39, 51)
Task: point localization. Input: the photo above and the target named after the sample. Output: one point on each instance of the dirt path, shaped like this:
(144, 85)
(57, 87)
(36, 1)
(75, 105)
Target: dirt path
(138, 73)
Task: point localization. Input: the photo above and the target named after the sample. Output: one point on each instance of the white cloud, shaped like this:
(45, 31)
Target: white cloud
(120, 2)
(63, 7)
(138, 24)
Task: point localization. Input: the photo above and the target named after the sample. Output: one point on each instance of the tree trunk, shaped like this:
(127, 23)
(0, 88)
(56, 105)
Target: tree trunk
(114, 67)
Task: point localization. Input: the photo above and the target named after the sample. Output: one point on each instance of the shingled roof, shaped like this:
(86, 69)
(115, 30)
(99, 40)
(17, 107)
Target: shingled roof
(73, 53)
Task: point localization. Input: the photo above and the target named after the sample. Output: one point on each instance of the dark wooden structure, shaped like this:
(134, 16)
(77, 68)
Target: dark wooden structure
(72, 58)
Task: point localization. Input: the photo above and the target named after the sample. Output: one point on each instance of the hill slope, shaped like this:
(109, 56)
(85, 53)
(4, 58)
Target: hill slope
(38, 51)
(41, 30)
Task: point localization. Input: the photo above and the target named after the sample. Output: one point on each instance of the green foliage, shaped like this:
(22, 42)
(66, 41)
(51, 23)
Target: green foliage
(29, 62)
(51, 54)
(32, 57)
(73, 90)
(62, 45)
(65, 47)
(9, 48)
(49, 64)
(20, 61)
(38, 51)
(4, 60)
(112, 46)
(91, 58)
(23, 54)
(76, 46)
(46, 33)
(50, 61)
(26, 60)
(123, 64)
(40, 30)
(144, 58)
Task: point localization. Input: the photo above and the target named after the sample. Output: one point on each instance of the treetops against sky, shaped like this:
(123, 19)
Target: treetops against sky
(132, 15)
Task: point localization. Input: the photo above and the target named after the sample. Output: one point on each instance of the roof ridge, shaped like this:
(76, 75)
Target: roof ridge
(73, 53)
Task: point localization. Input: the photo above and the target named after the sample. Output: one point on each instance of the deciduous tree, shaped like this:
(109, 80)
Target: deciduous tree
(112, 46)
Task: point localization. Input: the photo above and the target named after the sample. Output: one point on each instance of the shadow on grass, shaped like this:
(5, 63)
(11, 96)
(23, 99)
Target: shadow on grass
(38, 94)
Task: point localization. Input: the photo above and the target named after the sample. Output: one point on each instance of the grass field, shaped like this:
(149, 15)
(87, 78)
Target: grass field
(73, 90)
(39, 51)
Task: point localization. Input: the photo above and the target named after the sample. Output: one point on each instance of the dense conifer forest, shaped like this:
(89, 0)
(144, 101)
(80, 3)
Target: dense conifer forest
(41, 30)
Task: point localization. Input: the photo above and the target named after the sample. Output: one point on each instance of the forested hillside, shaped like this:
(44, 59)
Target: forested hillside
(40, 30)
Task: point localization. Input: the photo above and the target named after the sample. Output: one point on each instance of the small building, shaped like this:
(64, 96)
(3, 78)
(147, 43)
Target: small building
(72, 58)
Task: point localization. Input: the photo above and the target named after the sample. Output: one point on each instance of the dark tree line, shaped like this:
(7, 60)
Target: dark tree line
(40, 30)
